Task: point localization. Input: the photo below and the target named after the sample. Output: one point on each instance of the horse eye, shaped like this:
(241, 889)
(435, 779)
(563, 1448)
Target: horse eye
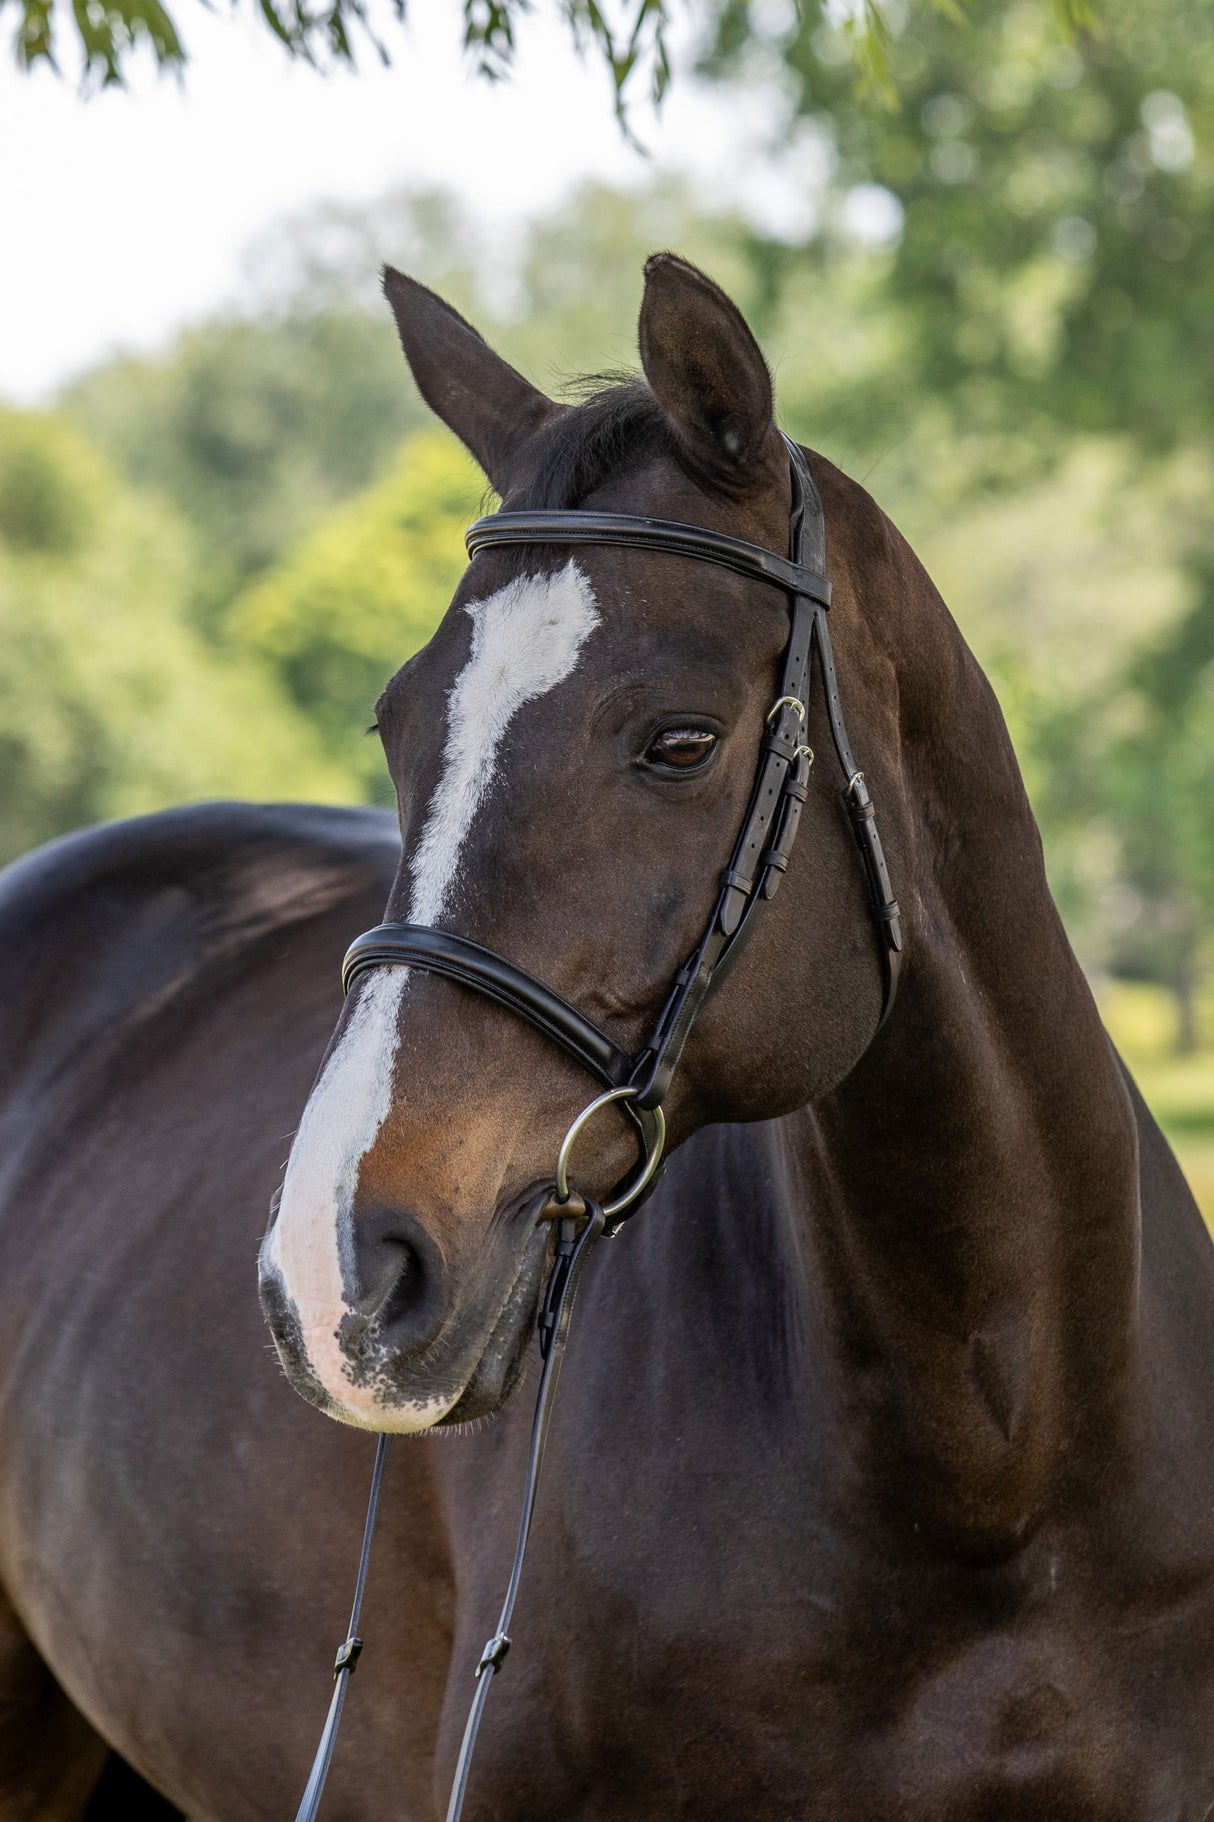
(681, 749)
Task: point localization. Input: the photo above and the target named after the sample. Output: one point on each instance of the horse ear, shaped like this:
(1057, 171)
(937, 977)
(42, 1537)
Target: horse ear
(705, 369)
(492, 409)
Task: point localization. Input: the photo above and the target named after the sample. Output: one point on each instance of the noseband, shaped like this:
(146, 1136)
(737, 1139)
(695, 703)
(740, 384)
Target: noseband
(639, 1083)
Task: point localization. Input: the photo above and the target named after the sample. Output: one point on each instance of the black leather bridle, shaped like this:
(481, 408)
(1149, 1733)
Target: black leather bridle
(639, 1083)
(765, 840)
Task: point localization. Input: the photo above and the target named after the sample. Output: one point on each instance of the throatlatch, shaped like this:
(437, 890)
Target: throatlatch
(638, 1084)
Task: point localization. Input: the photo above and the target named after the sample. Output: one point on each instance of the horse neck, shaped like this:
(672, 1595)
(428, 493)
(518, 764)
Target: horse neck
(971, 1188)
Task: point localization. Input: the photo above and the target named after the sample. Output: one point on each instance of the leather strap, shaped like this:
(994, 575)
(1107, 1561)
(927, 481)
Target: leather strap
(574, 1240)
(457, 959)
(764, 841)
(568, 1264)
(863, 812)
(664, 535)
(348, 1654)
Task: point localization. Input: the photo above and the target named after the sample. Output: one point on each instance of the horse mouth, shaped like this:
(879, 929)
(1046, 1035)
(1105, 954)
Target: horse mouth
(474, 1363)
(501, 1367)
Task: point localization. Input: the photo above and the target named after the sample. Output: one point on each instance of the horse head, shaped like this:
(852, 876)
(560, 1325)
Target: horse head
(573, 753)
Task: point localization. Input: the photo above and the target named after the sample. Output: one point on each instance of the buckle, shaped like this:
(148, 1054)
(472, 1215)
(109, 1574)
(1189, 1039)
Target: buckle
(781, 702)
(495, 1650)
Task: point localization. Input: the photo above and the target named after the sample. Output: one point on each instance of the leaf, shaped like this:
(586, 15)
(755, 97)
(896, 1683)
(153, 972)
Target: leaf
(280, 30)
(35, 42)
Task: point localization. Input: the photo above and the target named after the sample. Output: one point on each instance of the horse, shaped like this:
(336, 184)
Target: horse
(880, 1488)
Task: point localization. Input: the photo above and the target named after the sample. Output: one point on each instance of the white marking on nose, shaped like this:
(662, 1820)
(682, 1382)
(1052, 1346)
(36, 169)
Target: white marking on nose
(525, 640)
(311, 1234)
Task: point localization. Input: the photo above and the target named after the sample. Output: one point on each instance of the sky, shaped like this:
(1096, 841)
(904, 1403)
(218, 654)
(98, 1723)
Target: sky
(125, 215)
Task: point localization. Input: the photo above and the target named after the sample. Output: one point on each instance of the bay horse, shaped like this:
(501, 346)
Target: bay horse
(881, 1488)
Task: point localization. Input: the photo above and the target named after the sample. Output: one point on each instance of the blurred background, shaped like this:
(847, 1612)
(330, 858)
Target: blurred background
(977, 243)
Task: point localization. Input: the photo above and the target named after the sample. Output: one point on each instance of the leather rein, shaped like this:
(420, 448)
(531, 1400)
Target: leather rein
(638, 1083)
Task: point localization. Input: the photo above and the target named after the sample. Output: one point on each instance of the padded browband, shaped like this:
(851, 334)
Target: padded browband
(662, 535)
(457, 959)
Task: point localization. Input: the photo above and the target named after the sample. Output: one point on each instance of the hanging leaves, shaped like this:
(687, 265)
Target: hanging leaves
(630, 37)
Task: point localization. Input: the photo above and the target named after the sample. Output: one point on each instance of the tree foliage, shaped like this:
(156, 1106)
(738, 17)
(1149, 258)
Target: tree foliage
(1055, 264)
(110, 702)
(629, 38)
(1051, 278)
(1159, 792)
(252, 429)
(361, 594)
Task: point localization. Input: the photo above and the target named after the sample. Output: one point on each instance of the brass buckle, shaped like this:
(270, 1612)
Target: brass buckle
(792, 702)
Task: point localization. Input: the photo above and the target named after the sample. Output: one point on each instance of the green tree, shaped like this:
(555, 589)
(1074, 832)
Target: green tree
(1052, 279)
(110, 703)
(1156, 788)
(630, 39)
(1056, 261)
(361, 594)
(632, 44)
(1065, 590)
(252, 429)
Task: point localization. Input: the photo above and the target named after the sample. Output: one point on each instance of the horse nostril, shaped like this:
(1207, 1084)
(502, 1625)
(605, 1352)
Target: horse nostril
(404, 1276)
(395, 1273)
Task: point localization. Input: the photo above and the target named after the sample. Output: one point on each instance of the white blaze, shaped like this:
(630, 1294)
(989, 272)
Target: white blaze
(344, 1113)
(525, 640)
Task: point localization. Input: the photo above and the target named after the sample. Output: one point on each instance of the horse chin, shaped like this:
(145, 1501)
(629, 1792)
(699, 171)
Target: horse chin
(502, 1365)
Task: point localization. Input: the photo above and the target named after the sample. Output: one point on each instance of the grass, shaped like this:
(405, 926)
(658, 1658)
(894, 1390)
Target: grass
(1178, 1090)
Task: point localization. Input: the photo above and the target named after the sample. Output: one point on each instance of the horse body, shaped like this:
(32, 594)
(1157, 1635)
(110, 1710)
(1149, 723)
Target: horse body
(137, 1152)
(139, 1445)
(880, 1485)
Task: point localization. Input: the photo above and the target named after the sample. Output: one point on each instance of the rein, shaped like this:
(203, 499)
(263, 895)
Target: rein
(638, 1084)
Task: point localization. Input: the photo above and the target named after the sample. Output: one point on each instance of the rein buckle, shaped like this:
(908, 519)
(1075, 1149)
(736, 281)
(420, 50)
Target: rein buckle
(491, 1657)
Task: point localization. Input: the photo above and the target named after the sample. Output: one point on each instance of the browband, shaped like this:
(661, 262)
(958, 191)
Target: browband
(649, 534)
